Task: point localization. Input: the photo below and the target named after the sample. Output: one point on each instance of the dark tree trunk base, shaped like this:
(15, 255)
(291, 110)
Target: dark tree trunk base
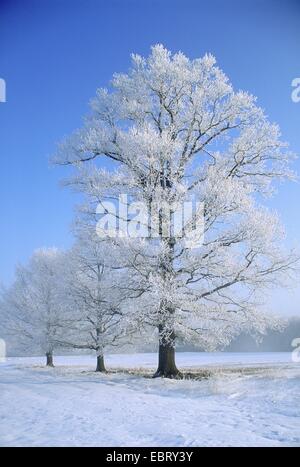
(168, 374)
(100, 365)
(49, 360)
(166, 362)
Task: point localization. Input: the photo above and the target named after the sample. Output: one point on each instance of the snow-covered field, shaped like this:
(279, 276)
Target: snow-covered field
(73, 406)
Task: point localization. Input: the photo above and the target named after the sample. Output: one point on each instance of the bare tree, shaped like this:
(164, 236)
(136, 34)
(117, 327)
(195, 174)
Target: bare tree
(33, 309)
(93, 295)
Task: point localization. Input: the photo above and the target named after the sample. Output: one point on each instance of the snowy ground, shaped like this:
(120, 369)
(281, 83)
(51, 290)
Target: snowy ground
(72, 406)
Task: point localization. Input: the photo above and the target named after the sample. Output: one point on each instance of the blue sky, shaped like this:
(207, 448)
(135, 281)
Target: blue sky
(53, 56)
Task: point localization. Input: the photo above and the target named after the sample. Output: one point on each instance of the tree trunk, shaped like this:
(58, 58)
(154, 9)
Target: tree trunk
(49, 357)
(100, 364)
(166, 359)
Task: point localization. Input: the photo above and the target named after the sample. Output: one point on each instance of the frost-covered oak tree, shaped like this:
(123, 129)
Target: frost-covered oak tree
(33, 309)
(176, 131)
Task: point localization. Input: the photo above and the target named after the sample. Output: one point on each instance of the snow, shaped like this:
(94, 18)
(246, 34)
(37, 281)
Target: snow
(71, 405)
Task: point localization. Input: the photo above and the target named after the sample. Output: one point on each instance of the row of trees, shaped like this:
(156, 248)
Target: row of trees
(68, 299)
(170, 131)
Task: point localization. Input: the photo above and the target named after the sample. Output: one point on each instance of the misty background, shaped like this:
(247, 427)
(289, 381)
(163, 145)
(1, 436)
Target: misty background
(273, 341)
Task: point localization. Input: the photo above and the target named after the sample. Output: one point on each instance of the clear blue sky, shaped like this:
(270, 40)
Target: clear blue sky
(53, 56)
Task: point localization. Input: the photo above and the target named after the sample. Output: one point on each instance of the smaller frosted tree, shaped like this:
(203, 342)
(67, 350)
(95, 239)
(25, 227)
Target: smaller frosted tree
(33, 308)
(94, 295)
